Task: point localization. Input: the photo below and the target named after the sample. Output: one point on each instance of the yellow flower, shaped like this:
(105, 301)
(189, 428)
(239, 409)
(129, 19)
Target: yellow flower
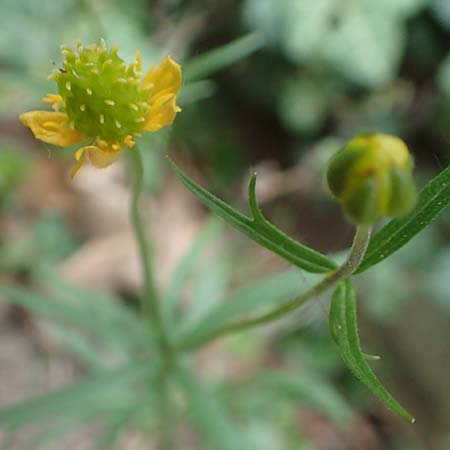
(103, 105)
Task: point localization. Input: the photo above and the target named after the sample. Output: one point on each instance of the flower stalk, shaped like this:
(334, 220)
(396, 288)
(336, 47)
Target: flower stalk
(150, 298)
(354, 258)
(150, 301)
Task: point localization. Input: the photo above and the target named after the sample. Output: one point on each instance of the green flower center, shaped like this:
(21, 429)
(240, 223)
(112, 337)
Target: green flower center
(102, 95)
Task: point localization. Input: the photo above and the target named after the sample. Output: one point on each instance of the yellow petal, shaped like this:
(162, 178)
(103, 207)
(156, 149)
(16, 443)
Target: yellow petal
(166, 77)
(161, 115)
(163, 83)
(80, 156)
(103, 157)
(52, 127)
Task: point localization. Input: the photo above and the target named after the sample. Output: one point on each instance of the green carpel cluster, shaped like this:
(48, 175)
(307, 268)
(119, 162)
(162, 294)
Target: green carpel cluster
(102, 96)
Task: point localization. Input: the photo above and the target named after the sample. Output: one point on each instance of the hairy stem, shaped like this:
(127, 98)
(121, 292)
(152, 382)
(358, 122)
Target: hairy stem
(352, 262)
(150, 299)
(150, 305)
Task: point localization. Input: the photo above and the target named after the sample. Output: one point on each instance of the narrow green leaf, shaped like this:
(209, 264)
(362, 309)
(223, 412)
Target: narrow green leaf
(184, 269)
(309, 256)
(206, 64)
(253, 202)
(79, 308)
(433, 200)
(102, 393)
(108, 440)
(196, 91)
(46, 307)
(144, 411)
(344, 330)
(206, 292)
(308, 388)
(113, 427)
(259, 229)
(51, 433)
(81, 347)
(264, 293)
(208, 415)
(109, 306)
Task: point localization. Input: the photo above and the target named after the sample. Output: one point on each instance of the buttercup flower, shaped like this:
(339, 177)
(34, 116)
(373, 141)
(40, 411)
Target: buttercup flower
(102, 104)
(372, 177)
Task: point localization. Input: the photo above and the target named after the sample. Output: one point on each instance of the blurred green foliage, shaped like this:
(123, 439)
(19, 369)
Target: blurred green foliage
(265, 79)
(361, 40)
(48, 241)
(116, 349)
(13, 169)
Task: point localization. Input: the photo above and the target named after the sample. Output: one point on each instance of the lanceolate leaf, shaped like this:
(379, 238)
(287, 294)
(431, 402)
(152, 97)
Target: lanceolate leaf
(259, 229)
(344, 330)
(433, 200)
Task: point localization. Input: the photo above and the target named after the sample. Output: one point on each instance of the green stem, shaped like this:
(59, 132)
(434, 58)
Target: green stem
(150, 305)
(168, 437)
(357, 251)
(150, 300)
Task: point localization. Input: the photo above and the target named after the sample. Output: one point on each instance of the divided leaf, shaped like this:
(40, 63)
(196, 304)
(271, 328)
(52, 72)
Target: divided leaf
(344, 330)
(259, 229)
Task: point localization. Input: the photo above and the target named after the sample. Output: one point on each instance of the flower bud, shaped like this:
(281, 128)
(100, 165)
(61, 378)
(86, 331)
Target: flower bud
(372, 177)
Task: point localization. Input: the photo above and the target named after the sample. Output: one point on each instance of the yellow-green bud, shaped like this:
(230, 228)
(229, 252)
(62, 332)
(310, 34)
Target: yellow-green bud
(372, 177)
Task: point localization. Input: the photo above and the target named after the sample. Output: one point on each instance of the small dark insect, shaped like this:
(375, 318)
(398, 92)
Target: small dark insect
(61, 69)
